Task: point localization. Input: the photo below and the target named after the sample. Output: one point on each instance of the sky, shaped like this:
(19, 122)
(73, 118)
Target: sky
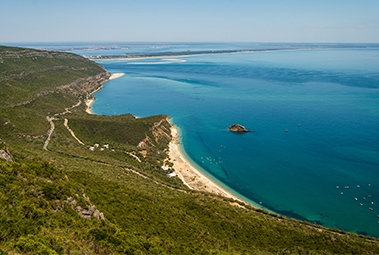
(335, 21)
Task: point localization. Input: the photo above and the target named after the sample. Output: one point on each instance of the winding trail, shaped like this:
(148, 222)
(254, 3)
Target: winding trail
(137, 158)
(67, 110)
(72, 132)
(50, 132)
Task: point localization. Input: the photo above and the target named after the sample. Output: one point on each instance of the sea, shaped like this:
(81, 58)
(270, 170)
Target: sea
(313, 153)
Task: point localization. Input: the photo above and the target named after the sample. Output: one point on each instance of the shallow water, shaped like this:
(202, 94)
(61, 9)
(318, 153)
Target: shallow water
(327, 100)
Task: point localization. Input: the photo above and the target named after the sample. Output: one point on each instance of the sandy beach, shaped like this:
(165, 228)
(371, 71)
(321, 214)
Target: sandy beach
(90, 100)
(191, 176)
(88, 104)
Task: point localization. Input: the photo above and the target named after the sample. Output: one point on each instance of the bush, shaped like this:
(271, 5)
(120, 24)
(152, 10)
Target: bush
(55, 191)
(33, 244)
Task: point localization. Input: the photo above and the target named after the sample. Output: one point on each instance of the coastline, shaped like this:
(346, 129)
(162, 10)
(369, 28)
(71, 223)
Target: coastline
(165, 56)
(215, 53)
(90, 101)
(190, 175)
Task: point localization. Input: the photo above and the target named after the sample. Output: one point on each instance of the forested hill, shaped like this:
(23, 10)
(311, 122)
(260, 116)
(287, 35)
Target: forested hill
(26, 74)
(75, 183)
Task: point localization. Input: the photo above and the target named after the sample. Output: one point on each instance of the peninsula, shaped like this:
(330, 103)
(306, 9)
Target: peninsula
(174, 54)
(208, 52)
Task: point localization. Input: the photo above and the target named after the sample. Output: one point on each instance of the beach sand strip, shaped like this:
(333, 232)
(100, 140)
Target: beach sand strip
(191, 176)
(116, 75)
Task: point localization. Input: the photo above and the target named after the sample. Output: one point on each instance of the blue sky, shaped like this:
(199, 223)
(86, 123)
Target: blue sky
(189, 21)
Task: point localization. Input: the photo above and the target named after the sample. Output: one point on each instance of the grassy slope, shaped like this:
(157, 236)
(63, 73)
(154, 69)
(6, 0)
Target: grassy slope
(150, 214)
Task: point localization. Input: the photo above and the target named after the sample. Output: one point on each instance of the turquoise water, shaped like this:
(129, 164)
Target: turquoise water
(327, 100)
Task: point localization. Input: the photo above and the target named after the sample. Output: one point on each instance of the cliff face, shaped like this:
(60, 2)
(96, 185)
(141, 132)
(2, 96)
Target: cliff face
(158, 132)
(84, 86)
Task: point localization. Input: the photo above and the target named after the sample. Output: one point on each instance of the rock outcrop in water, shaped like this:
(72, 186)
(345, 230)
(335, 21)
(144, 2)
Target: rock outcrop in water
(238, 128)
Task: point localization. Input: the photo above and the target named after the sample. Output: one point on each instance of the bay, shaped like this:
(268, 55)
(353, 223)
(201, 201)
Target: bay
(326, 100)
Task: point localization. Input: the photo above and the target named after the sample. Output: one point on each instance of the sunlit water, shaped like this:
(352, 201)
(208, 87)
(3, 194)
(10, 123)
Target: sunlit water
(327, 100)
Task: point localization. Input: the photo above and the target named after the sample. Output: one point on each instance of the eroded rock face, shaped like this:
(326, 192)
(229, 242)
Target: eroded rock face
(91, 211)
(6, 155)
(238, 128)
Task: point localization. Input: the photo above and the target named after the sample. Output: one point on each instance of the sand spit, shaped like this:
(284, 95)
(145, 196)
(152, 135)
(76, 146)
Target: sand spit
(116, 75)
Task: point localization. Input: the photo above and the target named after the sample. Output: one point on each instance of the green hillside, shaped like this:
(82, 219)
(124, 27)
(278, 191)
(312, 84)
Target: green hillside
(104, 193)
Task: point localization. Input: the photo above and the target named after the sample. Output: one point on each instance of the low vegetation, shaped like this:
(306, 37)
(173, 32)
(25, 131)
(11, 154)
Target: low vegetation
(48, 197)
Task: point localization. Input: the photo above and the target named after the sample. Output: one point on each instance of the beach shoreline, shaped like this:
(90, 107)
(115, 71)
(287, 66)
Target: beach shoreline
(89, 101)
(190, 175)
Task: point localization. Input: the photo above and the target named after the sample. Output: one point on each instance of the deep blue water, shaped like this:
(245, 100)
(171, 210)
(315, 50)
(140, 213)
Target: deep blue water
(327, 100)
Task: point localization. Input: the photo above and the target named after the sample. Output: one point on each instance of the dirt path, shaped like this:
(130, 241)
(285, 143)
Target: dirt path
(137, 158)
(50, 132)
(71, 132)
(67, 110)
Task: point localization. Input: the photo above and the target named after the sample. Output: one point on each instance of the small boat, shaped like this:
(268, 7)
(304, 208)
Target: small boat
(370, 208)
(358, 186)
(356, 199)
